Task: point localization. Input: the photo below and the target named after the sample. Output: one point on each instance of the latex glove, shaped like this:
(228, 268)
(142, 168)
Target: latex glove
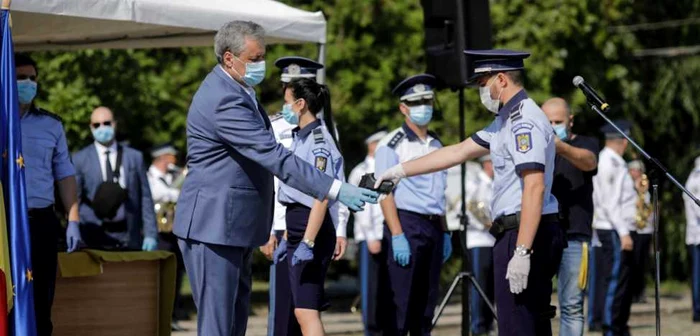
(402, 252)
(73, 238)
(393, 174)
(280, 252)
(149, 244)
(355, 197)
(518, 270)
(446, 248)
(303, 253)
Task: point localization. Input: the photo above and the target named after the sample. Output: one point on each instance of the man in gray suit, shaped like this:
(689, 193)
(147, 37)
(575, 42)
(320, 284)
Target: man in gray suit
(122, 168)
(226, 203)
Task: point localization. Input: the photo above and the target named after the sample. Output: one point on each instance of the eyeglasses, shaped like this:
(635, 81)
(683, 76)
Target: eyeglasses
(105, 123)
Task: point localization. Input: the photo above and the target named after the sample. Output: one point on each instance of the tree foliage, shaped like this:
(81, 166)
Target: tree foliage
(374, 44)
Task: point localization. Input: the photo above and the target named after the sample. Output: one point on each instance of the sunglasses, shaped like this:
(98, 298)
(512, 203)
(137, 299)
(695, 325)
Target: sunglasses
(23, 77)
(104, 123)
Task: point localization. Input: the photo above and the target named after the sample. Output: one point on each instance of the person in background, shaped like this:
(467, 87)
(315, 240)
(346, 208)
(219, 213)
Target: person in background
(369, 230)
(692, 236)
(645, 229)
(574, 167)
(116, 206)
(163, 179)
(46, 163)
(415, 238)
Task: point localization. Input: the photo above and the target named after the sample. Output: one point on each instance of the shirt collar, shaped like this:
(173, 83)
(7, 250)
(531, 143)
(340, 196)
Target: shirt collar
(102, 148)
(155, 172)
(614, 155)
(513, 103)
(412, 136)
(247, 89)
(304, 132)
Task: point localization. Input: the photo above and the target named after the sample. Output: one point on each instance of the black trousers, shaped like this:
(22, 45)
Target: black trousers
(44, 230)
(481, 260)
(618, 283)
(641, 260)
(372, 275)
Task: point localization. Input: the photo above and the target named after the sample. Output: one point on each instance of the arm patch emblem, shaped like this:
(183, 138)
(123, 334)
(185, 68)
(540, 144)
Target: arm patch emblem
(321, 163)
(523, 142)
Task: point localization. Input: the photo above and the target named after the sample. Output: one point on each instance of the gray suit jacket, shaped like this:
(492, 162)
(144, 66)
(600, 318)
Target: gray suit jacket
(232, 154)
(140, 214)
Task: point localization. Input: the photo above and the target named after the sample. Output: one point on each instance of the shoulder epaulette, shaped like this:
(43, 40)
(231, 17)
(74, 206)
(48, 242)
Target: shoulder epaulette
(396, 139)
(41, 111)
(318, 136)
(435, 136)
(516, 113)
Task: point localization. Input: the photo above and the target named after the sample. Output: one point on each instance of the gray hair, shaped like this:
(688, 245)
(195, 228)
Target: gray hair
(232, 37)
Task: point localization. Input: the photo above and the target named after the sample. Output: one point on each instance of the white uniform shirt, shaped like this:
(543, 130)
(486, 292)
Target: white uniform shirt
(692, 210)
(614, 196)
(101, 155)
(160, 182)
(479, 188)
(369, 223)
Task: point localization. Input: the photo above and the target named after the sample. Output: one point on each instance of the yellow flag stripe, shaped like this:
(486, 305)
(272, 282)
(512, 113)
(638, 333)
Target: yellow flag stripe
(5, 251)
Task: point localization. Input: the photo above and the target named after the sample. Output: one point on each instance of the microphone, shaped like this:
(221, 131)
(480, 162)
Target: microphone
(590, 94)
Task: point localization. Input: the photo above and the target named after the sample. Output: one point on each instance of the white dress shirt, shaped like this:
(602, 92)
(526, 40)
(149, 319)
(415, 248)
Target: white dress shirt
(101, 155)
(160, 182)
(692, 210)
(369, 223)
(614, 196)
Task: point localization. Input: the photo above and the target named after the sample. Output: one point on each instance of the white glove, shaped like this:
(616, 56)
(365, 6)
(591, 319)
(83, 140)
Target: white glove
(518, 270)
(393, 174)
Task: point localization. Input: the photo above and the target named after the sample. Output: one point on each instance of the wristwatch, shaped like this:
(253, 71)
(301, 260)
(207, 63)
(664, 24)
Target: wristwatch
(308, 242)
(522, 251)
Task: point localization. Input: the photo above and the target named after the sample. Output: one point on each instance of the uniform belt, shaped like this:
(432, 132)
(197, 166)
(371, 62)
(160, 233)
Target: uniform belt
(41, 211)
(426, 217)
(114, 227)
(290, 206)
(510, 222)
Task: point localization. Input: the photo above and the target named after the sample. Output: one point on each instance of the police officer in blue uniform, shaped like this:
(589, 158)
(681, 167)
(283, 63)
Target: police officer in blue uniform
(47, 163)
(529, 241)
(311, 224)
(415, 237)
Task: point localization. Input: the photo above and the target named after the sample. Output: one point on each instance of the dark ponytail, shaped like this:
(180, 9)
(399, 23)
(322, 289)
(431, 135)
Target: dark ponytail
(318, 98)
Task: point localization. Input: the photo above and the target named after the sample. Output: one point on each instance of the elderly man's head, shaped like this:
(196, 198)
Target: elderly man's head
(103, 125)
(240, 49)
(559, 115)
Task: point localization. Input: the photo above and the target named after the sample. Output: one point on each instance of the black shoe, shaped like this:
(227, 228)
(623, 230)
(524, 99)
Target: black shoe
(174, 326)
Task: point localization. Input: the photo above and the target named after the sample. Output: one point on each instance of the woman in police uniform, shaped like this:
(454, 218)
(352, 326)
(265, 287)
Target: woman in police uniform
(311, 232)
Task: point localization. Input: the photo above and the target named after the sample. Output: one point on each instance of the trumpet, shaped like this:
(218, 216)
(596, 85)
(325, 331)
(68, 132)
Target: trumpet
(480, 210)
(165, 216)
(644, 209)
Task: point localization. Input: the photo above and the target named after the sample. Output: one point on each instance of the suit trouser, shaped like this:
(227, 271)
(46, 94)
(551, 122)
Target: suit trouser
(372, 274)
(220, 277)
(530, 312)
(598, 270)
(618, 295)
(481, 260)
(414, 288)
(642, 244)
(281, 319)
(44, 229)
(694, 253)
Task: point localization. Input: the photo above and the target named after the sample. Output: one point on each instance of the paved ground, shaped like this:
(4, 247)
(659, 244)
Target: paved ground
(675, 320)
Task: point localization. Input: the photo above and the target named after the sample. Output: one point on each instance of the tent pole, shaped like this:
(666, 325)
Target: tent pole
(321, 74)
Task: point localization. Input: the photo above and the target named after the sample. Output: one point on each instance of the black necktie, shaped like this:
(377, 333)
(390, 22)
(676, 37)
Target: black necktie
(108, 167)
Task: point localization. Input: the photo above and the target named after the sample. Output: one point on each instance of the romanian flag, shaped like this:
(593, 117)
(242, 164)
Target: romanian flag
(23, 321)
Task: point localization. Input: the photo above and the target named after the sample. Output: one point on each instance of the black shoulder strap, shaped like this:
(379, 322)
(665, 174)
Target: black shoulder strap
(318, 136)
(396, 139)
(118, 166)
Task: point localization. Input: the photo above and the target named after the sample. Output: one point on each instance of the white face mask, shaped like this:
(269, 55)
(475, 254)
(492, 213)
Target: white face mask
(485, 95)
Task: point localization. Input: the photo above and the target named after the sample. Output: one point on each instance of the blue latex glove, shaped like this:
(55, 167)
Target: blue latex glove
(73, 238)
(446, 248)
(355, 197)
(280, 252)
(402, 252)
(149, 244)
(303, 253)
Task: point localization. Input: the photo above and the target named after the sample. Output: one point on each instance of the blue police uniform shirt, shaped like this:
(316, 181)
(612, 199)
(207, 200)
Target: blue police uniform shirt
(46, 156)
(314, 144)
(423, 194)
(521, 138)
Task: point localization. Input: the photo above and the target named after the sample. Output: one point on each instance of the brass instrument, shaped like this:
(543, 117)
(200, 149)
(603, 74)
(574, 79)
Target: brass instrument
(165, 216)
(480, 210)
(644, 208)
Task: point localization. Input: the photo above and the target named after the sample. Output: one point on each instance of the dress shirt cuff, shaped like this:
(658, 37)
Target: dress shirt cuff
(622, 231)
(335, 189)
(341, 230)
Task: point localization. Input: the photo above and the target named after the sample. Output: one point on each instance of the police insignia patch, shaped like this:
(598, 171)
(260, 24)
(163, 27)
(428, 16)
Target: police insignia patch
(321, 162)
(523, 142)
(294, 69)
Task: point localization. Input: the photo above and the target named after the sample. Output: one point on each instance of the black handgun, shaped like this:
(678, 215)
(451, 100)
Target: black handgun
(368, 182)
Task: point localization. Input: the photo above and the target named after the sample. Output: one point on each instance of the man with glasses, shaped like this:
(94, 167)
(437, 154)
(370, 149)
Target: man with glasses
(115, 198)
(46, 163)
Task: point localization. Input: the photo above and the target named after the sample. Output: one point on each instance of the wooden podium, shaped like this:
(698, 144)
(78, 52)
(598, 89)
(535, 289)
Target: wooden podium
(114, 293)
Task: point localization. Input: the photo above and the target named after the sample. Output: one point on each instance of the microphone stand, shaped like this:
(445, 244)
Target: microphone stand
(657, 166)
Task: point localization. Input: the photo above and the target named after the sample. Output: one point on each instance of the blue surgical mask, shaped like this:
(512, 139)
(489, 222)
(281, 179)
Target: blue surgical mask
(103, 134)
(254, 72)
(561, 132)
(421, 114)
(289, 115)
(26, 90)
